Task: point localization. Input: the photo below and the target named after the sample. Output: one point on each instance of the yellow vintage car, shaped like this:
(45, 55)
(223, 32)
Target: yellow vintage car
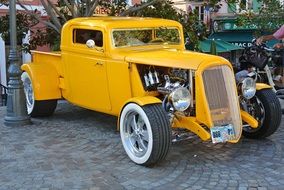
(138, 70)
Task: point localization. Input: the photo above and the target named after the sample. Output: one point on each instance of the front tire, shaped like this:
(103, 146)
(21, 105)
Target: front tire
(145, 133)
(36, 108)
(266, 108)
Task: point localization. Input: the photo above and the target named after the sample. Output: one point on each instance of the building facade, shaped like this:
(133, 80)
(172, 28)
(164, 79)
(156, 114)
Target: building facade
(207, 13)
(4, 47)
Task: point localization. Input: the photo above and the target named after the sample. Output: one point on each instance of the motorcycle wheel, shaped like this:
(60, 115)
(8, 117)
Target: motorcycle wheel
(265, 108)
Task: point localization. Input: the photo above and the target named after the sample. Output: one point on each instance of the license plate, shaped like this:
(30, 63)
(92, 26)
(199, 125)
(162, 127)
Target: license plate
(222, 133)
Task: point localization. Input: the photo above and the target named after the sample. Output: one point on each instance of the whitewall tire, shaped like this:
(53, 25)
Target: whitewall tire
(145, 133)
(29, 92)
(36, 108)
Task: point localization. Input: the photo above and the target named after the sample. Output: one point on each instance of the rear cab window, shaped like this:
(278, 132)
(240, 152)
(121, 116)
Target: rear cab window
(81, 36)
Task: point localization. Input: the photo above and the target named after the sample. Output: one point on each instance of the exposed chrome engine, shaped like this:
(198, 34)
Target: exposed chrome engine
(153, 78)
(162, 79)
(173, 84)
(176, 89)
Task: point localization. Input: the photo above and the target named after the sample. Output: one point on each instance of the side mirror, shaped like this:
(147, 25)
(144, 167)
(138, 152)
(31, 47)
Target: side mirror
(90, 43)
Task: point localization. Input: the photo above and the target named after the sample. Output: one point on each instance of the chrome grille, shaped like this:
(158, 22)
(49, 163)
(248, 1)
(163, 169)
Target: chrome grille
(220, 90)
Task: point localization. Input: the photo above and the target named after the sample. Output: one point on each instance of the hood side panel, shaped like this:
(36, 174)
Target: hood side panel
(171, 58)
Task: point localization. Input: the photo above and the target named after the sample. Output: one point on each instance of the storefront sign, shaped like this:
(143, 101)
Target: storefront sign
(234, 26)
(242, 44)
(228, 25)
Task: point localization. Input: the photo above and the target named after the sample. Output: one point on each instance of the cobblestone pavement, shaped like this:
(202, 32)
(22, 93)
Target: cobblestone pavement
(80, 149)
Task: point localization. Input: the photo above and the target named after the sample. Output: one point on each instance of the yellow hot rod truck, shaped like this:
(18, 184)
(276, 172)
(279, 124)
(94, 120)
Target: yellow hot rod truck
(138, 69)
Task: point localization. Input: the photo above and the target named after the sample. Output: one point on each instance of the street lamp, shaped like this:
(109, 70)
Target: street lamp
(16, 105)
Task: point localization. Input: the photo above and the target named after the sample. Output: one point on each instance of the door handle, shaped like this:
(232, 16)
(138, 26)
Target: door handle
(99, 63)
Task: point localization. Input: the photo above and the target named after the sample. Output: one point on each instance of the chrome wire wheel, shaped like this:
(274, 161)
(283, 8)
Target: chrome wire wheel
(256, 109)
(136, 133)
(29, 92)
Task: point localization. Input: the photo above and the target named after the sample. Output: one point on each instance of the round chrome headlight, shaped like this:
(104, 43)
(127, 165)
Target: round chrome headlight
(180, 98)
(248, 88)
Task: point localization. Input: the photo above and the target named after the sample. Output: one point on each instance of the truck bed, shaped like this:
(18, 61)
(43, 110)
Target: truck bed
(54, 58)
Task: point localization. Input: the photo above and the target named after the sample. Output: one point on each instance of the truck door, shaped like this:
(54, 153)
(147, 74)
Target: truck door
(86, 69)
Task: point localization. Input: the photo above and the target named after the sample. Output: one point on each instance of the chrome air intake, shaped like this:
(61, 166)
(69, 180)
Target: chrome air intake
(222, 98)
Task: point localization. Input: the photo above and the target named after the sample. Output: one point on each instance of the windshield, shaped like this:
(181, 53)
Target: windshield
(145, 36)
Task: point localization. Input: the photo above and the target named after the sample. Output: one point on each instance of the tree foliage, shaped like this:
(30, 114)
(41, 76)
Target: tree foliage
(58, 14)
(24, 23)
(67, 9)
(269, 18)
(194, 29)
(4, 2)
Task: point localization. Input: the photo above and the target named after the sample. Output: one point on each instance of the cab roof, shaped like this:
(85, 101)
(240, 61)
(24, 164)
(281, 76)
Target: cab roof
(121, 22)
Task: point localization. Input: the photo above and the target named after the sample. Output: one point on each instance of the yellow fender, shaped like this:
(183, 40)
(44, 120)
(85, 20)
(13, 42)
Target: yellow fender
(45, 81)
(260, 86)
(249, 119)
(141, 101)
(191, 124)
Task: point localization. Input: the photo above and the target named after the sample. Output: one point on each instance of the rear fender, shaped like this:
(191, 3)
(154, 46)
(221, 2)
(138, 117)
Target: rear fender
(45, 81)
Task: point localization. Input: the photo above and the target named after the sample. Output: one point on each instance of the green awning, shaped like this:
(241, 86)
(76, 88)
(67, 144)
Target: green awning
(221, 46)
(233, 36)
(239, 38)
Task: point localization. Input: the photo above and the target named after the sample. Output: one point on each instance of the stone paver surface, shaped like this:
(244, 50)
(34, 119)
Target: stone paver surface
(81, 149)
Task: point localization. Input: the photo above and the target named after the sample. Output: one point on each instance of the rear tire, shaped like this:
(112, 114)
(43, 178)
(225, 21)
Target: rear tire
(267, 110)
(145, 133)
(44, 108)
(36, 108)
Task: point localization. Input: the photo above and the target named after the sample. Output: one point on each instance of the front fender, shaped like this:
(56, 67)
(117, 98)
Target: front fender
(260, 86)
(141, 101)
(45, 81)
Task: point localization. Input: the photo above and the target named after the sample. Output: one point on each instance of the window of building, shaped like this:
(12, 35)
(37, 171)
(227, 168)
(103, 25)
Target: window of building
(202, 11)
(81, 36)
(244, 5)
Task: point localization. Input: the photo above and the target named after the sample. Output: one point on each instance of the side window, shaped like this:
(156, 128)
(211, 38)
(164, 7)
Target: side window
(81, 36)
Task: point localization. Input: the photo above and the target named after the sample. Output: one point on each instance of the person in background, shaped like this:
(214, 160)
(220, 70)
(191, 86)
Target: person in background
(278, 35)
(278, 78)
(83, 37)
(241, 75)
(99, 39)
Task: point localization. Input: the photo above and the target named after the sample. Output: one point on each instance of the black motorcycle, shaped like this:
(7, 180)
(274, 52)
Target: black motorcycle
(261, 60)
(268, 64)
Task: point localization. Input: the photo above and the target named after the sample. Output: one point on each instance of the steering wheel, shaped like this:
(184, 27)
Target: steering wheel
(156, 40)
